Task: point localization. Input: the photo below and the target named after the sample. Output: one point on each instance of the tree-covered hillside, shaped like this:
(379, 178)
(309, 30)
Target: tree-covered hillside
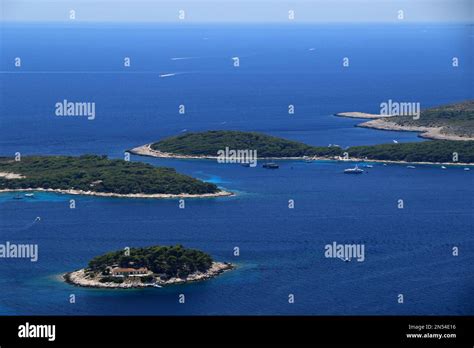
(210, 142)
(456, 118)
(170, 260)
(424, 151)
(98, 174)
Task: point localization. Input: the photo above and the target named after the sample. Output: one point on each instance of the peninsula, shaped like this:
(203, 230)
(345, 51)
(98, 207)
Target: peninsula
(100, 176)
(153, 266)
(448, 122)
(206, 145)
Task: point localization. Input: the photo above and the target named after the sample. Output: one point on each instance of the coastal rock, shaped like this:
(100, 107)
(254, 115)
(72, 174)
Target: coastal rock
(356, 114)
(425, 132)
(128, 195)
(84, 279)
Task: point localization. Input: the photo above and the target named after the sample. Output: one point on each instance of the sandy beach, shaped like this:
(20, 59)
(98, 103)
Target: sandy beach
(80, 278)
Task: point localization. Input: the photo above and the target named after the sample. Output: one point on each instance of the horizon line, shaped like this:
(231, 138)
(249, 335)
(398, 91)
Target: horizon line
(178, 22)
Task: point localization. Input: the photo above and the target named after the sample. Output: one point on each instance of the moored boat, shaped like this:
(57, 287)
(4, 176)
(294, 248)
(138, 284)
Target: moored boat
(271, 165)
(355, 170)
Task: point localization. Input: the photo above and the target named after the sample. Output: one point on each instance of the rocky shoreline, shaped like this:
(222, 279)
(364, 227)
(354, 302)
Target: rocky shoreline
(355, 159)
(10, 176)
(382, 122)
(357, 114)
(119, 195)
(80, 278)
(146, 150)
(425, 132)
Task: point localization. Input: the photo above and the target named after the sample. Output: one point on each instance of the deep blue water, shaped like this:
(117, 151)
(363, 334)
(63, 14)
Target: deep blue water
(408, 250)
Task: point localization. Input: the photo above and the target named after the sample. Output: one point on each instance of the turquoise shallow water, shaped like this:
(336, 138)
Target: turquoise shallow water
(282, 250)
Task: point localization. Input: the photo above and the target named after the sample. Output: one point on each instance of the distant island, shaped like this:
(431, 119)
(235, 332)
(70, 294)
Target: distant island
(207, 144)
(153, 266)
(100, 176)
(448, 122)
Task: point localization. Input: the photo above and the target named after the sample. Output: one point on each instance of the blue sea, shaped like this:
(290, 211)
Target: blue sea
(408, 251)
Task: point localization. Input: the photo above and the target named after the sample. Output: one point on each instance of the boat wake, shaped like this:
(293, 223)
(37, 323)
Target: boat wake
(184, 58)
(174, 74)
(168, 75)
(29, 225)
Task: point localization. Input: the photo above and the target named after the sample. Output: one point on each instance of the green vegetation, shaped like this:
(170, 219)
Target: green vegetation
(425, 151)
(98, 174)
(172, 261)
(210, 142)
(457, 118)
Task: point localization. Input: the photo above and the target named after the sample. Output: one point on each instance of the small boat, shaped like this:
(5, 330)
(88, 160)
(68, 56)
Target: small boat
(245, 164)
(466, 169)
(271, 165)
(157, 286)
(443, 167)
(411, 167)
(368, 166)
(17, 196)
(29, 194)
(355, 170)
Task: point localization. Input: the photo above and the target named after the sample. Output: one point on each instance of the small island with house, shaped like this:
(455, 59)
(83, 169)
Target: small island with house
(153, 266)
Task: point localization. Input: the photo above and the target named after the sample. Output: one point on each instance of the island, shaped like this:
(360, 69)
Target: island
(447, 122)
(100, 176)
(153, 266)
(205, 145)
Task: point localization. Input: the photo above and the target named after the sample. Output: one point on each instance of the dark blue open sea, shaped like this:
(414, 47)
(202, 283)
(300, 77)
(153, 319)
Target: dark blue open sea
(408, 251)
